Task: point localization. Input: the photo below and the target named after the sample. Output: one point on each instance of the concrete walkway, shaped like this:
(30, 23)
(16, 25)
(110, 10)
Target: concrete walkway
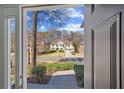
(59, 80)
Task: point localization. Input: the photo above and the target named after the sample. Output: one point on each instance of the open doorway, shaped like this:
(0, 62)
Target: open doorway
(55, 46)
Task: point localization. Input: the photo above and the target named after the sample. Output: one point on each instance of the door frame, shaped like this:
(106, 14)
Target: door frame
(24, 9)
(117, 17)
(18, 11)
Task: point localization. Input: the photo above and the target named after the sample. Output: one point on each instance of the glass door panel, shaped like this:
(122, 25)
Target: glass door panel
(12, 49)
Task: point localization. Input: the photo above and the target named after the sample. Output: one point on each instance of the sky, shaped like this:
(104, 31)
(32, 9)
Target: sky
(12, 24)
(75, 19)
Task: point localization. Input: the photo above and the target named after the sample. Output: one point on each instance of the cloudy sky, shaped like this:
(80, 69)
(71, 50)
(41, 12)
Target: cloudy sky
(76, 18)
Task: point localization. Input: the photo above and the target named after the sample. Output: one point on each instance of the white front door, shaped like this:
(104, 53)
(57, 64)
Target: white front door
(11, 47)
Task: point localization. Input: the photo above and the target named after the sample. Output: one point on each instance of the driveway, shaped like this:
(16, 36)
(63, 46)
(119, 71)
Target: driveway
(59, 80)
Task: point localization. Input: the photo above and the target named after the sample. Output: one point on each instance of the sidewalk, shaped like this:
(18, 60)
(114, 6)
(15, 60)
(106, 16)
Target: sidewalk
(59, 80)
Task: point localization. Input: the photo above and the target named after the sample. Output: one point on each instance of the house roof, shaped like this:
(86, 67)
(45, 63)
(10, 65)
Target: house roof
(55, 41)
(66, 42)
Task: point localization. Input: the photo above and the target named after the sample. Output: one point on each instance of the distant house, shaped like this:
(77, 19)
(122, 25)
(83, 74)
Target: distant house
(62, 46)
(57, 45)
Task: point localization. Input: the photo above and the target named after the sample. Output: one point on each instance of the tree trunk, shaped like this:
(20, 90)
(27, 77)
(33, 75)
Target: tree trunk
(28, 50)
(34, 38)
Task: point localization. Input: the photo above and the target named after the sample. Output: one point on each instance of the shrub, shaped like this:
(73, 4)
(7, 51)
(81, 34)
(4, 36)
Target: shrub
(79, 74)
(61, 50)
(38, 69)
(51, 51)
(39, 53)
(38, 73)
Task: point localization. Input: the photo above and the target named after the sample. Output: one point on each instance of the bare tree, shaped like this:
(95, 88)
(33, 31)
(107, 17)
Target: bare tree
(35, 13)
(55, 18)
(28, 50)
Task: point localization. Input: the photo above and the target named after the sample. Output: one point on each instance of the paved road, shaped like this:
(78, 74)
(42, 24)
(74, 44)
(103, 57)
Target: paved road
(79, 60)
(59, 59)
(59, 80)
(47, 59)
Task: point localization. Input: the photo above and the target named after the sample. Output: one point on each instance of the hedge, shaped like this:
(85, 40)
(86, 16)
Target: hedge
(79, 74)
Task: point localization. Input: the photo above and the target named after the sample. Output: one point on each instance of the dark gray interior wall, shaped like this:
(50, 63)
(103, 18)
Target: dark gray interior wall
(99, 15)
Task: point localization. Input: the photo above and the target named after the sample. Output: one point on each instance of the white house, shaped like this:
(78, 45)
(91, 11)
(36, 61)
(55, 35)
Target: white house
(57, 45)
(62, 46)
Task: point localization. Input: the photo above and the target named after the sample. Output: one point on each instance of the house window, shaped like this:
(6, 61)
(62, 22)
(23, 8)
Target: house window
(62, 45)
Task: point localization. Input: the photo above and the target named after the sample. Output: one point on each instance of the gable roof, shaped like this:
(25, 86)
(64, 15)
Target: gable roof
(66, 42)
(54, 42)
